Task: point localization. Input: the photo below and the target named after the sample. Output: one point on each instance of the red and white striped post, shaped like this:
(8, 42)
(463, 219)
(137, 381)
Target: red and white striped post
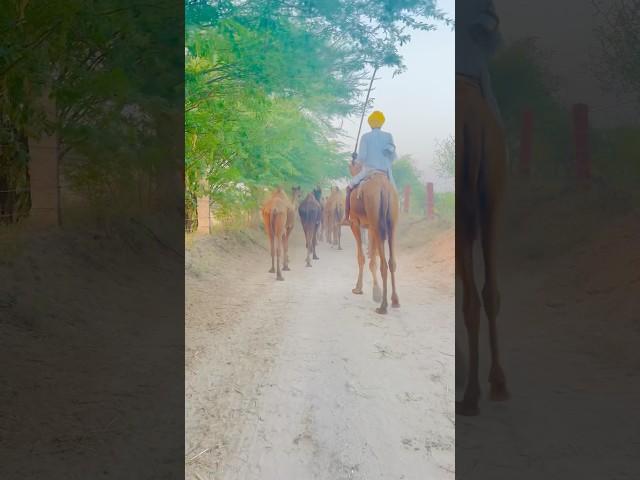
(429, 200)
(407, 198)
(526, 142)
(581, 140)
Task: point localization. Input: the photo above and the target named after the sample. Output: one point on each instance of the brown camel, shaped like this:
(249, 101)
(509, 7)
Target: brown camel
(374, 204)
(333, 216)
(310, 212)
(480, 177)
(278, 215)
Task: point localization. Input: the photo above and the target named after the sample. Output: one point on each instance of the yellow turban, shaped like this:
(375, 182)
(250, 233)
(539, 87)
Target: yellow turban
(376, 119)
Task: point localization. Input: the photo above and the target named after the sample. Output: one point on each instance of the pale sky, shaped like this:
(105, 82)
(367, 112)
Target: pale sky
(418, 104)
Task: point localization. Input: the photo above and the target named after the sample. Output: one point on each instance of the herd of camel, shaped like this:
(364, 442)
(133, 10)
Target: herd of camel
(374, 208)
(480, 162)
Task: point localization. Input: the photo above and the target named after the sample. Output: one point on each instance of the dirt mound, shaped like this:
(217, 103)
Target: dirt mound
(428, 245)
(81, 323)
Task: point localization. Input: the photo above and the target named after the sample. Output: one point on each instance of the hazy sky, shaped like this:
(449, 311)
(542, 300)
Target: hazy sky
(567, 32)
(418, 104)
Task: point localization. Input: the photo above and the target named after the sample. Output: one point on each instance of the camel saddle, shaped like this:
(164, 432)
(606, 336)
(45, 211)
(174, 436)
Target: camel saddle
(374, 173)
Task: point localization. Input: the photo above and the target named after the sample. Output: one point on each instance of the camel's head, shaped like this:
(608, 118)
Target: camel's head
(296, 193)
(317, 192)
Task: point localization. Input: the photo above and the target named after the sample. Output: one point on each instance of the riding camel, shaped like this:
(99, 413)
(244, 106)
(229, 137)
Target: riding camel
(374, 205)
(278, 215)
(481, 159)
(310, 212)
(480, 178)
(334, 212)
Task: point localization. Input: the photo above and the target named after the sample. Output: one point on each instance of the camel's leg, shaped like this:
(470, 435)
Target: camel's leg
(471, 312)
(491, 300)
(356, 233)
(308, 240)
(339, 234)
(285, 262)
(395, 301)
(279, 242)
(373, 266)
(273, 252)
(384, 271)
(315, 242)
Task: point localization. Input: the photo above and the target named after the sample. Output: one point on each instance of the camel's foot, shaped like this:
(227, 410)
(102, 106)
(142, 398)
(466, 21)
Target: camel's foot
(286, 268)
(280, 278)
(377, 294)
(395, 301)
(498, 391)
(272, 270)
(498, 384)
(357, 291)
(382, 310)
(308, 264)
(467, 408)
(339, 247)
(315, 257)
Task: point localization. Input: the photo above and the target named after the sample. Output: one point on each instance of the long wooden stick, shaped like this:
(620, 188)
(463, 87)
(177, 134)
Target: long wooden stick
(364, 110)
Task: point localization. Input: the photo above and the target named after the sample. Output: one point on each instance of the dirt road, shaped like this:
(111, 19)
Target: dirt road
(303, 380)
(569, 333)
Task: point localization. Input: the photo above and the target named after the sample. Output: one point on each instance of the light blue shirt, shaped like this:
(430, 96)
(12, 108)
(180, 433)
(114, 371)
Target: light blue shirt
(477, 40)
(377, 152)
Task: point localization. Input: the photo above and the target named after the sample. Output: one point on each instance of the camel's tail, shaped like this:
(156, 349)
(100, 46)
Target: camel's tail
(384, 218)
(272, 220)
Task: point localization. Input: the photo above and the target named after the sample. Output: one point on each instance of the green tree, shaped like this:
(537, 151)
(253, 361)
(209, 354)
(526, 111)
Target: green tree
(265, 79)
(406, 174)
(113, 69)
(444, 157)
(522, 81)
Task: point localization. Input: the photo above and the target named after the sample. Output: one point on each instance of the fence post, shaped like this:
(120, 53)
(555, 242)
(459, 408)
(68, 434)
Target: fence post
(581, 140)
(407, 196)
(429, 199)
(526, 142)
(44, 173)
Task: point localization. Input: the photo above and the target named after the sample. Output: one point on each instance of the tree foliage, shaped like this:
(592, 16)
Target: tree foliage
(112, 68)
(522, 81)
(265, 80)
(444, 157)
(618, 61)
(406, 174)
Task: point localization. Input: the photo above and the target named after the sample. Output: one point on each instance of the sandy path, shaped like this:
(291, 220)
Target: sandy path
(303, 380)
(569, 335)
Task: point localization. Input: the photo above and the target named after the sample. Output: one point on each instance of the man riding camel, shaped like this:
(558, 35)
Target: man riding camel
(376, 154)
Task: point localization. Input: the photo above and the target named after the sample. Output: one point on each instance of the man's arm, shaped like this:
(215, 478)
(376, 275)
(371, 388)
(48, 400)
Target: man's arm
(484, 28)
(390, 149)
(362, 151)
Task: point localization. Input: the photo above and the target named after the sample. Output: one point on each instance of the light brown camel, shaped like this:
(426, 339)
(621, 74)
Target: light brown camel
(334, 214)
(480, 177)
(310, 212)
(374, 204)
(326, 223)
(322, 219)
(278, 215)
